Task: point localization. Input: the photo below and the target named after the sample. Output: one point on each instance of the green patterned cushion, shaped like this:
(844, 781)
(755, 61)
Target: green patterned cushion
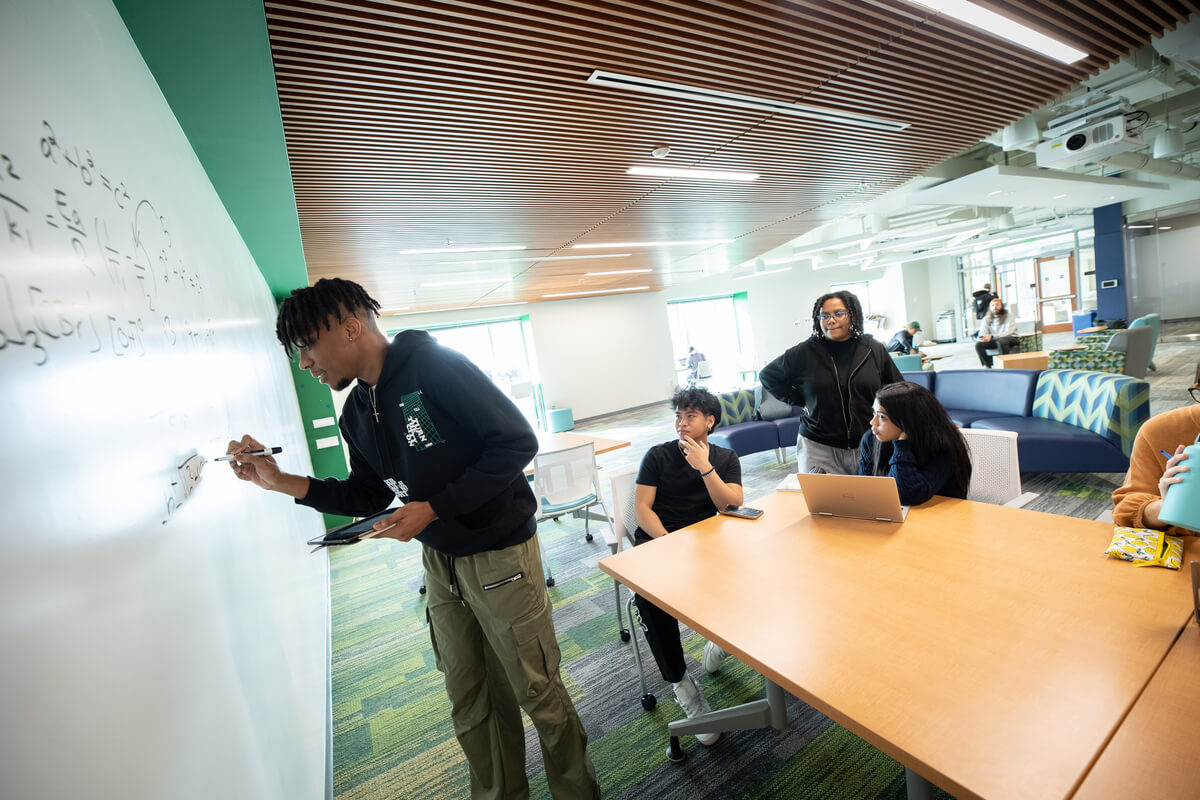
(1114, 406)
(1029, 342)
(1097, 340)
(1093, 360)
(736, 406)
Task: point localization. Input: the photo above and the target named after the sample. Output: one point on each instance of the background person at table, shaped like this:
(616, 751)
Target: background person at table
(694, 357)
(680, 483)
(834, 375)
(1137, 502)
(998, 329)
(425, 425)
(902, 342)
(913, 440)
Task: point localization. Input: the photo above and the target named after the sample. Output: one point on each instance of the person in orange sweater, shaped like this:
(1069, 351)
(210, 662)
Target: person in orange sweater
(1138, 500)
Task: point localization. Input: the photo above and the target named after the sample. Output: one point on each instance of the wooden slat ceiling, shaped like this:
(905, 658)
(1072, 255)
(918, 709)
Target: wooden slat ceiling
(410, 125)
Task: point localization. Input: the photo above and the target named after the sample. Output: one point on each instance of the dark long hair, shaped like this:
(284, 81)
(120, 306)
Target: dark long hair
(852, 305)
(913, 409)
(311, 308)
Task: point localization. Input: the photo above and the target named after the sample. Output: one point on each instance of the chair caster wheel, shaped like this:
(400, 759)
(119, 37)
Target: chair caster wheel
(588, 538)
(649, 701)
(549, 582)
(421, 590)
(624, 635)
(675, 752)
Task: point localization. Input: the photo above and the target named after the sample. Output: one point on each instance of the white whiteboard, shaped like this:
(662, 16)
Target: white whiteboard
(155, 644)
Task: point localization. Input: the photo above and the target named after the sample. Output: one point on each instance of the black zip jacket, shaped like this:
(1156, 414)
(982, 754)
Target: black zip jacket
(806, 375)
(445, 434)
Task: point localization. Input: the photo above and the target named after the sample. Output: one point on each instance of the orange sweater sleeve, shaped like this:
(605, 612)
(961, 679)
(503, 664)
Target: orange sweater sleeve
(1147, 464)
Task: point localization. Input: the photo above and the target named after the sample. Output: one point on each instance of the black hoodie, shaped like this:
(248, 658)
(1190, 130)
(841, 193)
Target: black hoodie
(445, 434)
(807, 376)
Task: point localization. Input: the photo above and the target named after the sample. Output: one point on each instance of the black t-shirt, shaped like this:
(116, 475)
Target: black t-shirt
(680, 498)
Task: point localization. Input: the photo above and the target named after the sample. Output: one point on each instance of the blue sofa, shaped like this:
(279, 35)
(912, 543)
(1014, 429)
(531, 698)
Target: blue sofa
(742, 431)
(1066, 420)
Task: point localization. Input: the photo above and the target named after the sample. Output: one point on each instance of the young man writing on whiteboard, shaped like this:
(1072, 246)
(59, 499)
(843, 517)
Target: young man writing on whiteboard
(425, 425)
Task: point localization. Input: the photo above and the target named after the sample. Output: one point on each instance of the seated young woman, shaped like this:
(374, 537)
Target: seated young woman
(913, 440)
(681, 482)
(1156, 462)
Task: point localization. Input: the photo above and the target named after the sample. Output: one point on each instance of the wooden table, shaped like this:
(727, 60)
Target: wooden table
(1038, 359)
(1153, 753)
(992, 650)
(553, 442)
(1094, 329)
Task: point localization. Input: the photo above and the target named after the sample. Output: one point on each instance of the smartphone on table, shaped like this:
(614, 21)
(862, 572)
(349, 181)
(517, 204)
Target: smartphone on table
(745, 512)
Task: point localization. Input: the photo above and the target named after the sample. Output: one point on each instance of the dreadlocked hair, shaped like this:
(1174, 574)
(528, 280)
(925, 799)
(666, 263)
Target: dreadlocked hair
(316, 307)
(852, 305)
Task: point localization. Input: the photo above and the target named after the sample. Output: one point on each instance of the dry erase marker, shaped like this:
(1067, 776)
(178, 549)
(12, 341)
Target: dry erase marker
(270, 451)
(1165, 453)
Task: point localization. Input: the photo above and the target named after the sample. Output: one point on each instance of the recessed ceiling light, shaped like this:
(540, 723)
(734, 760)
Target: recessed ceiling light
(764, 272)
(700, 95)
(596, 245)
(463, 308)
(617, 272)
(1059, 196)
(496, 249)
(992, 194)
(597, 291)
(466, 282)
(1135, 227)
(1164, 227)
(520, 259)
(1005, 28)
(699, 174)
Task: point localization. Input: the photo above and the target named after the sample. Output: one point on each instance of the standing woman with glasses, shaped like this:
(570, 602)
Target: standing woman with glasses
(1156, 462)
(834, 374)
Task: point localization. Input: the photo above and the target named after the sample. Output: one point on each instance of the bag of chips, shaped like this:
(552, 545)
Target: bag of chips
(1146, 547)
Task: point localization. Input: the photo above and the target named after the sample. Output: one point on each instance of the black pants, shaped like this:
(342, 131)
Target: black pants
(1007, 344)
(662, 634)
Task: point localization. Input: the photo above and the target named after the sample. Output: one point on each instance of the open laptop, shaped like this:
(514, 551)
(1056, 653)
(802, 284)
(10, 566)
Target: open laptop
(856, 496)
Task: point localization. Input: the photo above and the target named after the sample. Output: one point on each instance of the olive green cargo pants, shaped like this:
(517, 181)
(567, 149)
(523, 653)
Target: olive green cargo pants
(493, 639)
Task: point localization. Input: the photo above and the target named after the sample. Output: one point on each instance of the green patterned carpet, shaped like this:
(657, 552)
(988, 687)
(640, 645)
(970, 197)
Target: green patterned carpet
(391, 718)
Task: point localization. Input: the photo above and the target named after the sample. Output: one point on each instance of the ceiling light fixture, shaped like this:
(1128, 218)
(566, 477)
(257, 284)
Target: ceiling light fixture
(700, 95)
(495, 249)
(1136, 227)
(617, 272)
(1005, 28)
(462, 308)
(681, 243)
(597, 291)
(467, 282)
(764, 272)
(386, 311)
(531, 259)
(698, 174)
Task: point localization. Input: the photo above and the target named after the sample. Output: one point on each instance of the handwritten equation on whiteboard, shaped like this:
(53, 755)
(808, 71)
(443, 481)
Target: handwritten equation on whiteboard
(112, 282)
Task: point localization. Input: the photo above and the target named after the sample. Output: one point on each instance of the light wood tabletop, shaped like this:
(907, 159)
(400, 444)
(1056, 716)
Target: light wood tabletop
(993, 650)
(1153, 753)
(553, 442)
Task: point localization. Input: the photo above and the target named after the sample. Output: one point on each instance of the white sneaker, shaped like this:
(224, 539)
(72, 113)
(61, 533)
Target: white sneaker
(693, 703)
(713, 656)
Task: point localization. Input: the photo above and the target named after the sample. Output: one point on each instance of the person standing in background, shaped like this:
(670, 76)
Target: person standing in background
(834, 375)
(424, 425)
(983, 300)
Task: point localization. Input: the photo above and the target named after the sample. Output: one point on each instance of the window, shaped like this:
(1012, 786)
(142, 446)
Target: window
(719, 328)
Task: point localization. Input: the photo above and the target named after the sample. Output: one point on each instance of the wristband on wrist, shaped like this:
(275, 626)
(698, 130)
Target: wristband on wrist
(711, 470)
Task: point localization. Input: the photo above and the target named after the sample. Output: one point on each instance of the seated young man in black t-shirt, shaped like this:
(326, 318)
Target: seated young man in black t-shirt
(679, 483)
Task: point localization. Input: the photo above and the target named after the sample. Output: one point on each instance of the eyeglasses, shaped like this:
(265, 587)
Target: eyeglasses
(1195, 392)
(835, 315)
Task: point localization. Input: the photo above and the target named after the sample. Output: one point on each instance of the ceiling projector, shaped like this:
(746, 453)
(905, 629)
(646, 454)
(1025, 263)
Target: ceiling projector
(1091, 142)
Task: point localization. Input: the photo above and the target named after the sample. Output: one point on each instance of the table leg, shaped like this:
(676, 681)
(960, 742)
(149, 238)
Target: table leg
(768, 713)
(918, 787)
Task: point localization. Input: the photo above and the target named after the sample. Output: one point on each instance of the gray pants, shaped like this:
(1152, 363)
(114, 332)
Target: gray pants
(493, 638)
(816, 457)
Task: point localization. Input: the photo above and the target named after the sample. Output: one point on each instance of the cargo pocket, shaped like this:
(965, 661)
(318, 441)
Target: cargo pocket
(537, 652)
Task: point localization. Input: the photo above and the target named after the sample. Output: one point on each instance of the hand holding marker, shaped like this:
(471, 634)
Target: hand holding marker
(267, 451)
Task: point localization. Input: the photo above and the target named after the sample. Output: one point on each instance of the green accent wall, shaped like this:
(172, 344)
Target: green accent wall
(212, 61)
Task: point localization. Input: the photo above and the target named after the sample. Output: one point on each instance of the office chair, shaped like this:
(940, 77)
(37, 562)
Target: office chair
(908, 363)
(565, 481)
(623, 525)
(995, 468)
